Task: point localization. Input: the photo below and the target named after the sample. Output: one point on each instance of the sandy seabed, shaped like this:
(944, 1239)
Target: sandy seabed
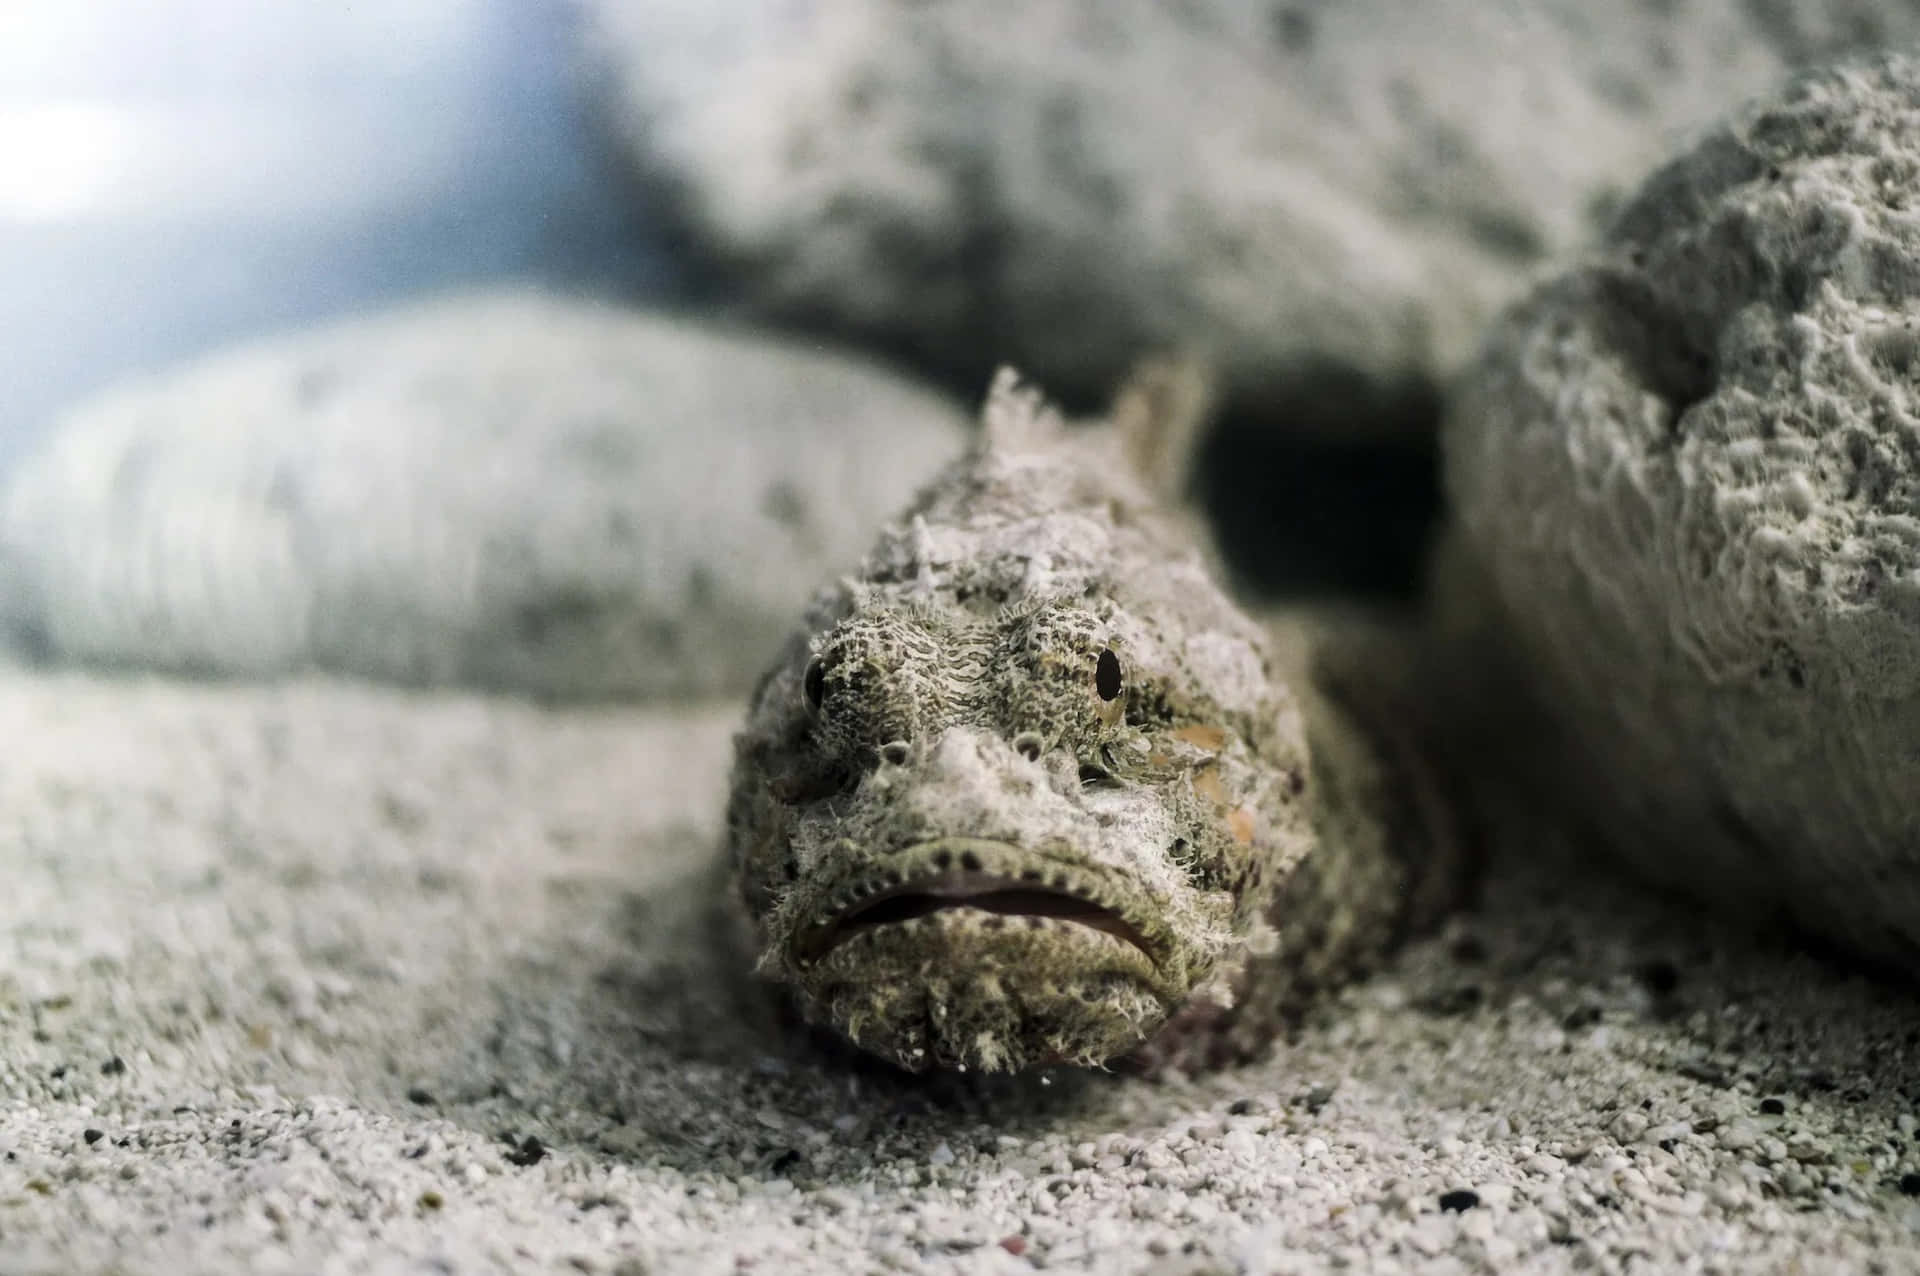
(326, 978)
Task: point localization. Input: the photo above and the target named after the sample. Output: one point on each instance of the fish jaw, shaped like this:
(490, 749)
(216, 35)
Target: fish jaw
(973, 954)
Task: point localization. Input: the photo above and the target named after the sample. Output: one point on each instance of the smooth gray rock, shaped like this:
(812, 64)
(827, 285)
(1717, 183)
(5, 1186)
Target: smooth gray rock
(1690, 469)
(504, 490)
(1313, 191)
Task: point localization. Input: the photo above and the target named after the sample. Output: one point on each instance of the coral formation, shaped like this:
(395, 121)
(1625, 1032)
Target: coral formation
(1337, 194)
(1690, 470)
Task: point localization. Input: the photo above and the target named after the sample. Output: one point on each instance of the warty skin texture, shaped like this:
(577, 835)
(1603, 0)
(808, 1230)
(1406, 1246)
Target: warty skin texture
(1030, 789)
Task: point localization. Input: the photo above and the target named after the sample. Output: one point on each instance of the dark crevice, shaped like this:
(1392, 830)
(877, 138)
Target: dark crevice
(1327, 484)
(1664, 351)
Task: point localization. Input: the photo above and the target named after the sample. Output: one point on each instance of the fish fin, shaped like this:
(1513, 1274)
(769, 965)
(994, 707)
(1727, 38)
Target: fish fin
(1161, 410)
(1017, 416)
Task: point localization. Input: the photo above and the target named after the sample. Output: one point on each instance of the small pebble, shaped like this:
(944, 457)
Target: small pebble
(1660, 977)
(1317, 1098)
(530, 1151)
(1459, 1200)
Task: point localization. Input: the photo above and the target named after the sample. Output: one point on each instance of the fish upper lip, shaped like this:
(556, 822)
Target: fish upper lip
(1036, 885)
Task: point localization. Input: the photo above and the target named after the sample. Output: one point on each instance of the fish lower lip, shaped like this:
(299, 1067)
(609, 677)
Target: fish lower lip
(1008, 894)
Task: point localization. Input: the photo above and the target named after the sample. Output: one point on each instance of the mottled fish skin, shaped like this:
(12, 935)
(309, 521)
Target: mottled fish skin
(1030, 789)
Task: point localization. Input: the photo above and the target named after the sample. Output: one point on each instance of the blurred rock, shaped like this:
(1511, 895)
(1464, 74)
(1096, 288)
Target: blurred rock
(180, 175)
(1690, 470)
(506, 490)
(1335, 198)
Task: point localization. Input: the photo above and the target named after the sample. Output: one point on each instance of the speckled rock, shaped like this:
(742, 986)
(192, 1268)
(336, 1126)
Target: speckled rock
(1690, 469)
(506, 490)
(1316, 191)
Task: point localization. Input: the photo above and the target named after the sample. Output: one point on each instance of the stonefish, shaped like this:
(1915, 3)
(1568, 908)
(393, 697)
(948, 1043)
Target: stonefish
(1030, 789)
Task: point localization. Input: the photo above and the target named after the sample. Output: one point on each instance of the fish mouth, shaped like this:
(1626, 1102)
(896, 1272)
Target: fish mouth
(994, 878)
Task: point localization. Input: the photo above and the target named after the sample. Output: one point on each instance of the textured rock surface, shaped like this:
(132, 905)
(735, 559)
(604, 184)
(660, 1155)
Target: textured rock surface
(506, 490)
(324, 978)
(1319, 191)
(1691, 470)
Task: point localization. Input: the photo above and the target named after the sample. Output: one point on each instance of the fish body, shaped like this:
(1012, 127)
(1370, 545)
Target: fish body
(1030, 789)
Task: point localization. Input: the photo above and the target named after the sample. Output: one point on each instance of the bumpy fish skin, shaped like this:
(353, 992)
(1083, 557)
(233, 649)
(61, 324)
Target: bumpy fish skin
(1030, 789)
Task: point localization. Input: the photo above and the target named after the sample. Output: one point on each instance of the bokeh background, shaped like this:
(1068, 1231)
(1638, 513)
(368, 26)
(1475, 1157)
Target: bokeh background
(179, 174)
(1335, 197)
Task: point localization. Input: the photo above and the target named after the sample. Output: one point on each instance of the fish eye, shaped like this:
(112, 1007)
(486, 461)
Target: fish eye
(1106, 675)
(813, 684)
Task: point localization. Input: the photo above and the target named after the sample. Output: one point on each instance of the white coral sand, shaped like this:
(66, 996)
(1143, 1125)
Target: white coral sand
(322, 978)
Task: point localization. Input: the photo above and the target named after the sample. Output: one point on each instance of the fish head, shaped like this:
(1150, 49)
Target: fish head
(1000, 838)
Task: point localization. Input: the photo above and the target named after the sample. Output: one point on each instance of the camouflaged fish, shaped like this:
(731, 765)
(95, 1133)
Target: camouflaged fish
(1031, 790)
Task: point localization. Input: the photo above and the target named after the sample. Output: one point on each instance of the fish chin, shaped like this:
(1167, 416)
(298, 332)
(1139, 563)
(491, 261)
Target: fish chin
(970, 954)
(967, 989)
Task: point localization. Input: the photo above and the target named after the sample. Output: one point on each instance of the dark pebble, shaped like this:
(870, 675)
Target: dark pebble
(1773, 1107)
(1462, 1000)
(1240, 1107)
(1469, 951)
(114, 1066)
(1660, 977)
(93, 1136)
(1459, 1200)
(420, 1095)
(531, 1151)
(1910, 1184)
